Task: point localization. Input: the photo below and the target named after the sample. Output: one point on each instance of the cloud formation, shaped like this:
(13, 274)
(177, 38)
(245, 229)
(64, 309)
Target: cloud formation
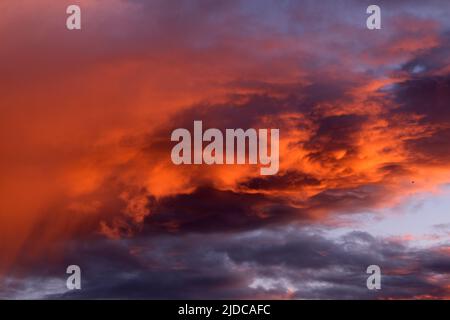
(86, 171)
(286, 263)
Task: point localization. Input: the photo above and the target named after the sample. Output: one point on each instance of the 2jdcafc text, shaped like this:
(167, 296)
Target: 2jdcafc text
(225, 310)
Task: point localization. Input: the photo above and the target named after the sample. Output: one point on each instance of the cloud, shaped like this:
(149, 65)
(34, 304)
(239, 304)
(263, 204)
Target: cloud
(286, 263)
(86, 155)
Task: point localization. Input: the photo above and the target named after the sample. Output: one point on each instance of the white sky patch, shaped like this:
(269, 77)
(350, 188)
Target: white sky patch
(424, 220)
(418, 69)
(267, 284)
(32, 288)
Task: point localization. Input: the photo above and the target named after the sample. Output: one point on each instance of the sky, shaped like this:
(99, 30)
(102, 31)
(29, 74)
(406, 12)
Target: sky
(86, 176)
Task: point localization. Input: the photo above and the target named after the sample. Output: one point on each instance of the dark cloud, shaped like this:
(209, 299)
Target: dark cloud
(209, 210)
(349, 200)
(427, 62)
(290, 180)
(271, 263)
(333, 134)
(427, 97)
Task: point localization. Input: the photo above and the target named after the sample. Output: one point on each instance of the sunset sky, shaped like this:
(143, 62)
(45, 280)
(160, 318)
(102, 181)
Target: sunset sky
(86, 176)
